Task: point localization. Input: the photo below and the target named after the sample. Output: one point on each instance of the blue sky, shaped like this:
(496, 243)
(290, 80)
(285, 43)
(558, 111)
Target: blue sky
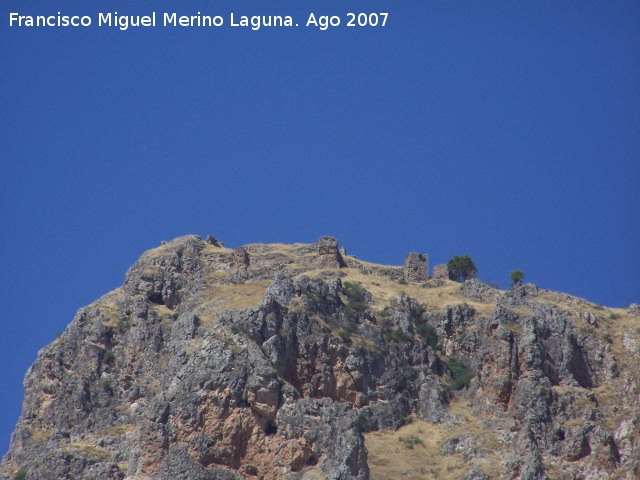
(509, 131)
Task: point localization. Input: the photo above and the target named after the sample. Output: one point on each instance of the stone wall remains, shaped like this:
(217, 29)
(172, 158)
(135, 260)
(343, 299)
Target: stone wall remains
(328, 254)
(241, 257)
(441, 271)
(416, 267)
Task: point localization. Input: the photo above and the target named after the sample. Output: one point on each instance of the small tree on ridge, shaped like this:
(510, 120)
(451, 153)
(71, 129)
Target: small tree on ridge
(517, 276)
(461, 268)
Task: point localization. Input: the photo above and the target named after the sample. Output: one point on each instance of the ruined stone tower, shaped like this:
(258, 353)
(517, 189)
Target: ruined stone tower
(328, 254)
(241, 257)
(441, 271)
(416, 267)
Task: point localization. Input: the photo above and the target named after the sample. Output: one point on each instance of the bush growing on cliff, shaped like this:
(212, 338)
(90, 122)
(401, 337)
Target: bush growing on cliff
(109, 357)
(462, 268)
(356, 299)
(516, 276)
(461, 375)
(354, 291)
(395, 336)
(429, 333)
(346, 333)
(107, 385)
(20, 475)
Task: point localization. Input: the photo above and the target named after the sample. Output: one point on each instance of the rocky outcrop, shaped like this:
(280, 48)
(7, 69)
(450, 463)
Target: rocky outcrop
(212, 241)
(212, 363)
(474, 289)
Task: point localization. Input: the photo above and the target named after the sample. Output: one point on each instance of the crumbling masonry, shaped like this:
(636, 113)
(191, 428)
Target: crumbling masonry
(441, 272)
(416, 267)
(329, 256)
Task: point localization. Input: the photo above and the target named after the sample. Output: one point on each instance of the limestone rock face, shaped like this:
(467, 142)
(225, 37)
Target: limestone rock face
(212, 363)
(474, 289)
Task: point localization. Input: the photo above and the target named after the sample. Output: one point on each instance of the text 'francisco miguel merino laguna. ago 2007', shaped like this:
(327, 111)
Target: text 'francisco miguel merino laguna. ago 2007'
(172, 19)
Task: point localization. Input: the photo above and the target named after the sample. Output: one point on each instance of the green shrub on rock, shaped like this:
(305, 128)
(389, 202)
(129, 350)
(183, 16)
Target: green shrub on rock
(517, 276)
(356, 299)
(461, 268)
(460, 374)
(20, 475)
(429, 333)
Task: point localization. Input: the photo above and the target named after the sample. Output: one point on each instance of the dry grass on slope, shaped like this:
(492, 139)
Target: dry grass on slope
(415, 450)
(218, 297)
(384, 289)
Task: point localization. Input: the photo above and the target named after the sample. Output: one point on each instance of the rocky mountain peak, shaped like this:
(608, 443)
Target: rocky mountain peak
(302, 362)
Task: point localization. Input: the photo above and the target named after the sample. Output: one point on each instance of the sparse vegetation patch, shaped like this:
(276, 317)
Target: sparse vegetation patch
(460, 374)
(107, 385)
(411, 441)
(356, 299)
(108, 357)
(346, 333)
(429, 333)
(20, 475)
(397, 335)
